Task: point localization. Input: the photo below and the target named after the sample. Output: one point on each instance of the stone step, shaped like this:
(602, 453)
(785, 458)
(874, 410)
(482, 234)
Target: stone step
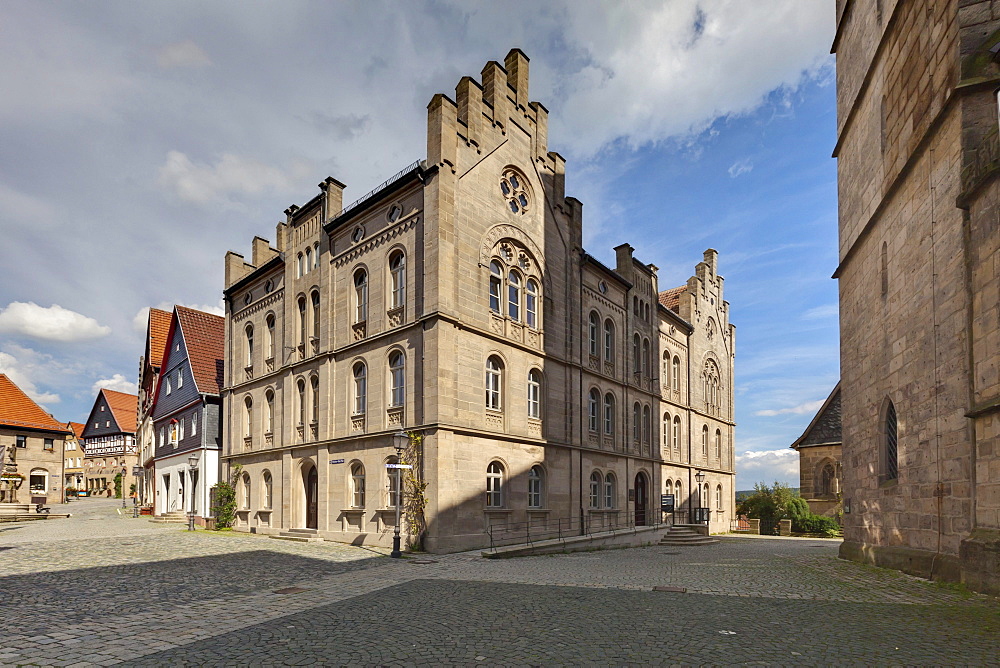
(299, 536)
(687, 542)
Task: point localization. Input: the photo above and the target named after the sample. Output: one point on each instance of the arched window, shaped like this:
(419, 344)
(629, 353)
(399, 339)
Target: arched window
(357, 485)
(246, 491)
(360, 295)
(249, 346)
(266, 490)
(247, 420)
(704, 496)
(718, 445)
(269, 414)
(397, 379)
(885, 269)
(594, 332)
(531, 303)
(393, 486)
(677, 433)
(535, 486)
(665, 431)
(680, 495)
(665, 373)
(593, 405)
(494, 485)
(314, 382)
(891, 468)
(301, 387)
(269, 321)
(534, 394)
(669, 488)
(302, 321)
(646, 425)
(826, 480)
(514, 295)
(704, 441)
(645, 357)
(397, 274)
(360, 388)
(609, 491)
(677, 373)
(496, 280)
(596, 482)
(718, 497)
(635, 354)
(609, 341)
(315, 316)
(316, 256)
(636, 417)
(609, 414)
(298, 270)
(494, 383)
(635, 306)
(309, 256)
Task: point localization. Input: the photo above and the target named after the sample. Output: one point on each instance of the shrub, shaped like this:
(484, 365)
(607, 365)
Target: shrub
(816, 524)
(797, 509)
(224, 495)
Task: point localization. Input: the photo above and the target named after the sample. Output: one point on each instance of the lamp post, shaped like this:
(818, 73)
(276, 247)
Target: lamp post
(700, 477)
(124, 473)
(192, 469)
(136, 472)
(399, 440)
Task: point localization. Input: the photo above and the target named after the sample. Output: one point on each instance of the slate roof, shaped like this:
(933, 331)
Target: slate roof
(123, 407)
(205, 338)
(17, 409)
(671, 298)
(825, 428)
(157, 330)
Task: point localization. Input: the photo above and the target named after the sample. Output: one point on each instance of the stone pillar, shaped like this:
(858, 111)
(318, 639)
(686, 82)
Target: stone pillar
(784, 527)
(755, 526)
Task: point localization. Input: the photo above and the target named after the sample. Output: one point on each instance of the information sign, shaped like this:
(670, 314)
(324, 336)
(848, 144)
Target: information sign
(399, 466)
(667, 503)
(336, 461)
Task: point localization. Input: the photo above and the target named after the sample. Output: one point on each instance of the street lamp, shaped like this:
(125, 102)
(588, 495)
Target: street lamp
(136, 472)
(192, 469)
(124, 473)
(700, 477)
(399, 440)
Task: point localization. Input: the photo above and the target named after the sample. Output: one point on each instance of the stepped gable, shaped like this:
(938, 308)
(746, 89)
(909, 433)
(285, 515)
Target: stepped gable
(123, 407)
(204, 336)
(159, 327)
(671, 298)
(17, 409)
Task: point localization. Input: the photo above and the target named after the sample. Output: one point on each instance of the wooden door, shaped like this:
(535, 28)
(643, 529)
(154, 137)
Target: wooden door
(312, 499)
(641, 499)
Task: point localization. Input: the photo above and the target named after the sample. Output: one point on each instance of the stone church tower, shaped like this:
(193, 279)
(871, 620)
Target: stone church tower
(918, 156)
(456, 302)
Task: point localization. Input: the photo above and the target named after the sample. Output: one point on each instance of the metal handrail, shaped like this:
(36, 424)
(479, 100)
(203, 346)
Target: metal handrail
(385, 184)
(560, 528)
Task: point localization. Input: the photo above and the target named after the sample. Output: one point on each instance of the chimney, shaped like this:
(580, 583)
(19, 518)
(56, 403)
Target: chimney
(623, 260)
(334, 191)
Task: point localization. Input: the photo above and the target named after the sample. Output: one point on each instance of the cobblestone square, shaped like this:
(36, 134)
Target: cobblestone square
(100, 588)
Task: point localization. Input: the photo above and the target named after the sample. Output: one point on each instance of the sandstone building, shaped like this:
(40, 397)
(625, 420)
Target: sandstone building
(819, 449)
(456, 302)
(31, 448)
(918, 151)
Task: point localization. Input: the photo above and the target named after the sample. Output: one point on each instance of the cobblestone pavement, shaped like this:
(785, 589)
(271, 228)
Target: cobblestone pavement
(100, 588)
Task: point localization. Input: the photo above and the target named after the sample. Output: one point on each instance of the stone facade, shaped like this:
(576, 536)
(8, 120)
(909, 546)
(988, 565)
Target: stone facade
(918, 285)
(456, 302)
(819, 450)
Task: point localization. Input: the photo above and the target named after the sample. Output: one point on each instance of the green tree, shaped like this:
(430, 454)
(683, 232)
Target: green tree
(767, 504)
(224, 494)
(118, 485)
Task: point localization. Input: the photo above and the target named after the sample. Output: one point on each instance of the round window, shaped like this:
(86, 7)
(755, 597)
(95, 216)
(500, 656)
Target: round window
(269, 286)
(358, 234)
(603, 287)
(514, 192)
(247, 298)
(394, 213)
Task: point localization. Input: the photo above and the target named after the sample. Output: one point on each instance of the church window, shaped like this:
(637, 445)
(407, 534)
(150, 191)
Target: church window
(314, 385)
(704, 441)
(513, 189)
(891, 468)
(826, 480)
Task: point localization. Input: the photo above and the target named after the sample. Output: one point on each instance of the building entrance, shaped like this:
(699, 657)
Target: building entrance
(641, 499)
(312, 498)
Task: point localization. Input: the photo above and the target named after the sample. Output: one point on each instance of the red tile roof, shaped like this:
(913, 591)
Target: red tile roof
(123, 407)
(672, 298)
(205, 338)
(77, 428)
(18, 410)
(156, 330)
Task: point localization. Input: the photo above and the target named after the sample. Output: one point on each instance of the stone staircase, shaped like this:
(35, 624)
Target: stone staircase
(682, 535)
(173, 517)
(300, 536)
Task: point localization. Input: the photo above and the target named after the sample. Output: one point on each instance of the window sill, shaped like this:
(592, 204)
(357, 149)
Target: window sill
(356, 511)
(497, 511)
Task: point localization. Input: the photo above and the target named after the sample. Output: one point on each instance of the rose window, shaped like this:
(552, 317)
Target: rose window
(514, 191)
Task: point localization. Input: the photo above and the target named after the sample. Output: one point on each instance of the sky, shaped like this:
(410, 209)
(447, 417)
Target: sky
(139, 141)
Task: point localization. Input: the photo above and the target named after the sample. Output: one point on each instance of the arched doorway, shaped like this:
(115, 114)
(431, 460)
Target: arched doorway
(310, 483)
(641, 498)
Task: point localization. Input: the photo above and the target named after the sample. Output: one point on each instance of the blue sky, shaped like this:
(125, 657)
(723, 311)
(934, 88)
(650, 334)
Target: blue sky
(144, 140)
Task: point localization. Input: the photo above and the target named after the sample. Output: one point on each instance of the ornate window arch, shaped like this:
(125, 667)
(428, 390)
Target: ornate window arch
(515, 190)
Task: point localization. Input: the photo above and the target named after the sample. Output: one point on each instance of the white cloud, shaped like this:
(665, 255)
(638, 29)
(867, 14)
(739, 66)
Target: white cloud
(231, 175)
(807, 407)
(740, 167)
(20, 373)
(140, 320)
(649, 73)
(53, 323)
(768, 465)
(822, 312)
(117, 383)
(182, 54)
